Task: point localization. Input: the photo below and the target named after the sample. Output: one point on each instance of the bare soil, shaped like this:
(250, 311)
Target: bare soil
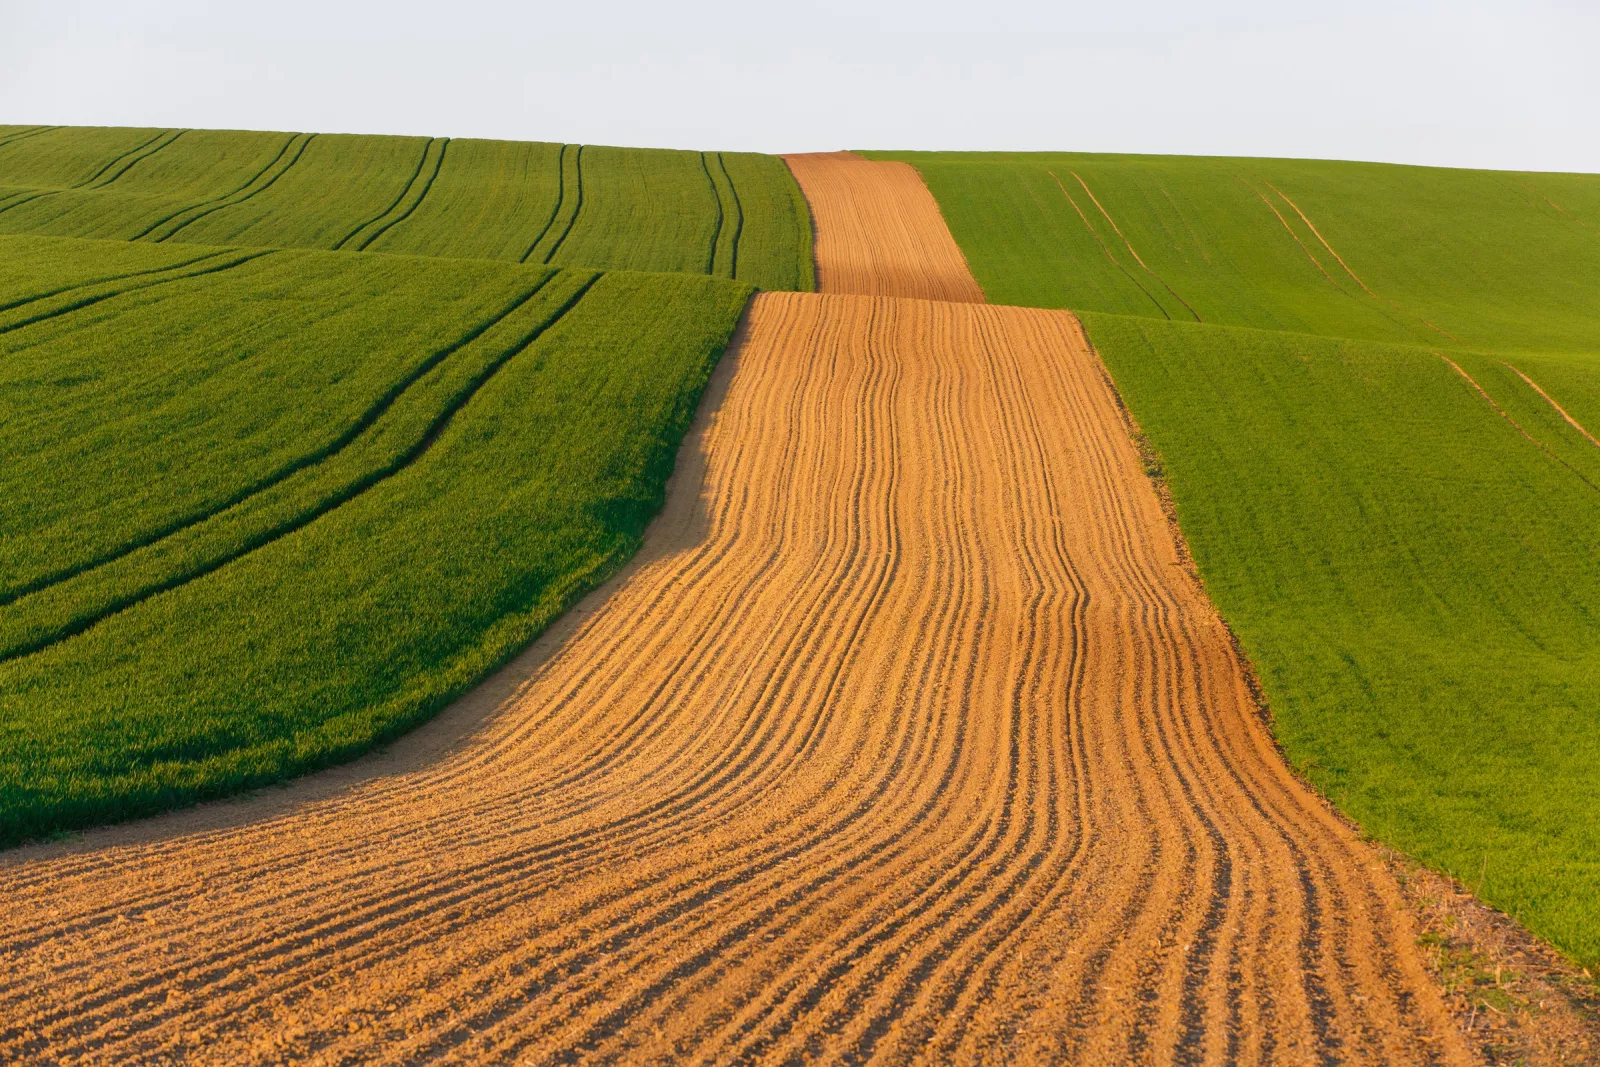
(879, 231)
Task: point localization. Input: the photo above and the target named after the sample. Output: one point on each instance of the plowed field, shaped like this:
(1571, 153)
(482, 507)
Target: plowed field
(879, 231)
(907, 737)
(910, 738)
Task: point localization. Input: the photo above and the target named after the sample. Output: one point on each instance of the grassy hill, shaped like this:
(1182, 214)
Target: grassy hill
(728, 214)
(1372, 390)
(265, 508)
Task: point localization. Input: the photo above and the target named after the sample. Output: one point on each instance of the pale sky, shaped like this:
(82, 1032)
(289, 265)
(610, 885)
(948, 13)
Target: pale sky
(1480, 84)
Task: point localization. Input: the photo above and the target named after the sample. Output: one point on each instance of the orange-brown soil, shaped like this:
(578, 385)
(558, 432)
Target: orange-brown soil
(907, 738)
(879, 231)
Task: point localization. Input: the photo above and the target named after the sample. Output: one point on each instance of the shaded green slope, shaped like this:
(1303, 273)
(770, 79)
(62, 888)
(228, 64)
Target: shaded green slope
(1412, 564)
(301, 506)
(733, 215)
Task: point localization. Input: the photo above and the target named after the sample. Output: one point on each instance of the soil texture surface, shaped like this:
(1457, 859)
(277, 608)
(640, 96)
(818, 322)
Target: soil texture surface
(879, 231)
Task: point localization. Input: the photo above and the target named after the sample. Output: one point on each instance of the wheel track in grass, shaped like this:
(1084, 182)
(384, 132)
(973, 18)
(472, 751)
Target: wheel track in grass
(1107, 248)
(555, 208)
(1559, 410)
(906, 738)
(577, 204)
(132, 156)
(730, 218)
(283, 149)
(88, 294)
(377, 220)
(23, 135)
(1129, 245)
(90, 283)
(133, 159)
(240, 196)
(244, 533)
(438, 164)
(716, 229)
(1515, 425)
(1346, 267)
(738, 218)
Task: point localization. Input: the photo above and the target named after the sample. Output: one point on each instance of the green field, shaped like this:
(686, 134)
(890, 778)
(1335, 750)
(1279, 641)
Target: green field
(728, 214)
(266, 508)
(1414, 573)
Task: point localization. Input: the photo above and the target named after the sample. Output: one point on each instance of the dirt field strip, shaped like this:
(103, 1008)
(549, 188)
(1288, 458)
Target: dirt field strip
(907, 739)
(879, 231)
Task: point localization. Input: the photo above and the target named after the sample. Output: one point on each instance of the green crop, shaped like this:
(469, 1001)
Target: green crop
(263, 516)
(1413, 566)
(733, 215)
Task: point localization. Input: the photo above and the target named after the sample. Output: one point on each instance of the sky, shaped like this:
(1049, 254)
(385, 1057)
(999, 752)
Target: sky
(1510, 85)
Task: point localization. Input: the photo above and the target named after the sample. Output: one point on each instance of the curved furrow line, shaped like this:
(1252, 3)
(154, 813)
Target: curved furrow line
(826, 701)
(912, 773)
(1192, 654)
(940, 649)
(1158, 623)
(1031, 912)
(974, 905)
(878, 231)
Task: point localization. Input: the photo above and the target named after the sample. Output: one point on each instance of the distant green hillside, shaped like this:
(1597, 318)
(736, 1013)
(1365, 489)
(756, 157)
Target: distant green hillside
(264, 508)
(1413, 565)
(728, 214)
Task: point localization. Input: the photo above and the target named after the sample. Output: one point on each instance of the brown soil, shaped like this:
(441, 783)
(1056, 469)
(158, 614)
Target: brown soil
(879, 231)
(908, 738)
